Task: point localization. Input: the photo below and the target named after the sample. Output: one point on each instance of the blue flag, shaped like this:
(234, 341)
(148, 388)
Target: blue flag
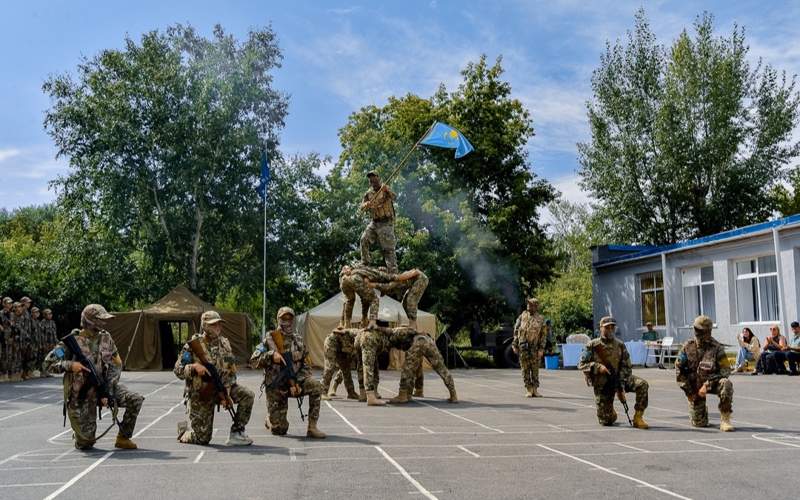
(262, 184)
(444, 136)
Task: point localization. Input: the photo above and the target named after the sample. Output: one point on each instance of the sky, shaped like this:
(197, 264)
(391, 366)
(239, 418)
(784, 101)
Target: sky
(340, 56)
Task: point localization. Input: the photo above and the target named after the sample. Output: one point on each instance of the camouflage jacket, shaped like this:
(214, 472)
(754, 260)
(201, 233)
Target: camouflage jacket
(530, 328)
(99, 347)
(22, 328)
(611, 353)
(342, 340)
(219, 354)
(381, 204)
(262, 356)
(49, 332)
(698, 363)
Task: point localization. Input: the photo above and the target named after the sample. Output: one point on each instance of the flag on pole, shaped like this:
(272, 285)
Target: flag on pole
(442, 135)
(264, 180)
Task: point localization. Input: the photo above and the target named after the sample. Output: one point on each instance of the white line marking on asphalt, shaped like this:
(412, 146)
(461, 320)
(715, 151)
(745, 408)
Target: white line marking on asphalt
(459, 416)
(199, 457)
(292, 456)
(154, 422)
(701, 443)
(27, 485)
(12, 457)
(69, 429)
(357, 431)
(426, 430)
(615, 473)
(22, 397)
(768, 440)
(406, 475)
(62, 455)
(768, 401)
(468, 451)
(632, 447)
(24, 412)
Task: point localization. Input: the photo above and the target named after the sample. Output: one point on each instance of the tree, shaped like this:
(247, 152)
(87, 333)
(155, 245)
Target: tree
(688, 142)
(163, 140)
(472, 224)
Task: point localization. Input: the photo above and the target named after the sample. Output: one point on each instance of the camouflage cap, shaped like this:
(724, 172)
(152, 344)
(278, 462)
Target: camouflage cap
(34, 309)
(211, 318)
(8, 300)
(25, 300)
(17, 304)
(47, 311)
(703, 323)
(533, 300)
(285, 310)
(372, 173)
(607, 320)
(95, 311)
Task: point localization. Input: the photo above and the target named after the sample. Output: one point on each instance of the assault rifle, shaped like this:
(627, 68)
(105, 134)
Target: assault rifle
(286, 379)
(213, 387)
(616, 383)
(103, 389)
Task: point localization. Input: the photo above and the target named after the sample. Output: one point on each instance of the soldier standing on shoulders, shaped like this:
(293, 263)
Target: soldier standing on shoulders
(528, 343)
(703, 368)
(199, 393)
(607, 366)
(379, 202)
(80, 403)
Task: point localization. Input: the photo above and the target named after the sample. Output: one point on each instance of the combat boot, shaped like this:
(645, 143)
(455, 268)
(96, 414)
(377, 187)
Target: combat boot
(418, 393)
(374, 401)
(124, 443)
(638, 420)
(362, 395)
(528, 391)
(313, 432)
(453, 396)
(182, 428)
(351, 394)
(725, 424)
(333, 389)
(535, 393)
(238, 439)
(401, 398)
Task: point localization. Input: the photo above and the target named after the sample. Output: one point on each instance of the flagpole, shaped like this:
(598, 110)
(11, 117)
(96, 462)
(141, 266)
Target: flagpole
(264, 267)
(404, 160)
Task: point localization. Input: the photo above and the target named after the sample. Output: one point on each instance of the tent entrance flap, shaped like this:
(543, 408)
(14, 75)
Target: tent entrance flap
(173, 335)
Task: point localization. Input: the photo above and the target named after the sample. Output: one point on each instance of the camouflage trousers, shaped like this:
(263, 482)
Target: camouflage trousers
(83, 416)
(698, 410)
(413, 290)
(350, 286)
(13, 358)
(278, 405)
(604, 399)
(339, 360)
(201, 415)
(529, 364)
(383, 234)
(424, 348)
(372, 344)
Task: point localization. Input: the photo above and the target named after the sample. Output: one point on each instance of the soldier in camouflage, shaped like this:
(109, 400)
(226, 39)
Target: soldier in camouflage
(98, 346)
(37, 342)
(21, 326)
(412, 284)
(269, 355)
(528, 343)
(356, 279)
(703, 368)
(49, 335)
(339, 359)
(379, 202)
(373, 342)
(606, 364)
(5, 339)
(423, 347)
(201, 401)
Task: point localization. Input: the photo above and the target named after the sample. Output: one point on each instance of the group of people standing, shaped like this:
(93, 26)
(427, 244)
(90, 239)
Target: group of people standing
(26, 335)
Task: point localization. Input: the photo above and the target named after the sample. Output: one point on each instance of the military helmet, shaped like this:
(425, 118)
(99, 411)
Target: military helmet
(95, 311)
(703, 323)
(210, 318)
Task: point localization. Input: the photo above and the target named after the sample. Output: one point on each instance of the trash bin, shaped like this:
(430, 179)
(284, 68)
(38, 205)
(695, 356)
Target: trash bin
(551, 362)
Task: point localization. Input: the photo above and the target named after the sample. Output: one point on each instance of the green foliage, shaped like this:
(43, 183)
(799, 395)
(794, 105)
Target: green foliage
(567, 300)
(686, 142)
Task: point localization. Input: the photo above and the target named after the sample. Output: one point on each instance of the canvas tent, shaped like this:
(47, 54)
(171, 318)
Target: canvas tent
(144, 340)
(317, 323)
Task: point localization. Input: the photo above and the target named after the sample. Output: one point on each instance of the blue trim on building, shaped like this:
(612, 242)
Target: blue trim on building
(725, 235)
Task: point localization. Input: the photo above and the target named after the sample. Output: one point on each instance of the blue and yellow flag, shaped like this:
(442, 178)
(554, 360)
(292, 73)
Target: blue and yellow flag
(442, 135)
(264, 180)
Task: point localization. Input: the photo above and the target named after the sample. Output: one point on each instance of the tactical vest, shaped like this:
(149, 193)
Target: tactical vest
(382, 207)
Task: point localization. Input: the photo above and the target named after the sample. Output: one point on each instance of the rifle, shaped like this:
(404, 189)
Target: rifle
(213, 381)
(287, 377)
(616, 383)
(93, 379)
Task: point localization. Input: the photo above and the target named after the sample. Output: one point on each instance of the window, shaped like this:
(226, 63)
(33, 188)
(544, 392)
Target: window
(757, 289)
(698, 293)
(651, 287)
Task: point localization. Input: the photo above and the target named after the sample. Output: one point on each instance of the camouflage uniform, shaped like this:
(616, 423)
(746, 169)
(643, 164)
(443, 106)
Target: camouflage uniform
(355, 279)
(529, 339)
(99, 347)
(201, 409)
(381, 339)
(21, 327)
(702, 360)
(37, 340)
(339, 359)
(413, 288)
(380, 228)
(13, 361)
(614, 356)
(5, 339)
(278, 397)
(423, 347)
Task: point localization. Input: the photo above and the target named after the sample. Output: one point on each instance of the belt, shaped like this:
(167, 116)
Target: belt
(382, 219)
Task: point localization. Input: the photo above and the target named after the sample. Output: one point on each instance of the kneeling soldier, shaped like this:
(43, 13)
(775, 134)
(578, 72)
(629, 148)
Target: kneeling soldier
(283, 357)
(607, 366)
(80, 399)
(206, 357)
(703, 368)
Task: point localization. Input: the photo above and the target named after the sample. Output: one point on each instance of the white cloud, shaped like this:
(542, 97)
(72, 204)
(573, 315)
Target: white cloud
(27, 174)
(5, 154)
(570, 189)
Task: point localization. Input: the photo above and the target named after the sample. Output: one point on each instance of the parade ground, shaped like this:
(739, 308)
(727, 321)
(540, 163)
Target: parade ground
(494, 444)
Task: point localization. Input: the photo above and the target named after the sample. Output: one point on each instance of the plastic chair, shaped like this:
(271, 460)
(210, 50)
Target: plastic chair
(578, 338)
(666, 345)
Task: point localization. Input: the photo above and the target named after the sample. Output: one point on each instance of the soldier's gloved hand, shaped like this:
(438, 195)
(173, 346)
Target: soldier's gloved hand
(76, 367)
(603, 370)
(277, 358)
(199, 369)
(703, 391)
(295, 390)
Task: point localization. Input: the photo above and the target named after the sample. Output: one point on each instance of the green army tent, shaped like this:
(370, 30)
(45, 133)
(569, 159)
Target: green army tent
(145, 338)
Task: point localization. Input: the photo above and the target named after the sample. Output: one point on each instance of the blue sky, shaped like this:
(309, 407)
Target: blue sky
(339, 56)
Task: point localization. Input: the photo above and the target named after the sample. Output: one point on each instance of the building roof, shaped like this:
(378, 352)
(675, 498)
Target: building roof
(641, 252)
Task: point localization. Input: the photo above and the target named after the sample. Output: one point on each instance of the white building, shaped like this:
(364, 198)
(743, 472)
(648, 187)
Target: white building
(747, 277)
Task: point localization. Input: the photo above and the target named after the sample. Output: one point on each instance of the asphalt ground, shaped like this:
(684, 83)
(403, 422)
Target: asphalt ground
(494, 444)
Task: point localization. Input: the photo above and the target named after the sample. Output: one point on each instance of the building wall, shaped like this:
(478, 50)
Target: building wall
(616, 290)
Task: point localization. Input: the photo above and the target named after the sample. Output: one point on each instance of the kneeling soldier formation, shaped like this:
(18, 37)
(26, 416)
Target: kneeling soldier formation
(207, 365)
(423, 347)
(703, 368)
(81, 392)
(607, 366)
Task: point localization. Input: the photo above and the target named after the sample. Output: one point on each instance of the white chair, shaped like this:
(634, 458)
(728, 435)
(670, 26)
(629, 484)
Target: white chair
(666, 351)
(578, 338)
